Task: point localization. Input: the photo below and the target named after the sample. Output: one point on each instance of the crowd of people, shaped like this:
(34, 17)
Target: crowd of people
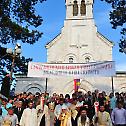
(89, 109)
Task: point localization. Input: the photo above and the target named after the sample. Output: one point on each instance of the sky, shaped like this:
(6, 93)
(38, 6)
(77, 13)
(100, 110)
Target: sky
(53, 14)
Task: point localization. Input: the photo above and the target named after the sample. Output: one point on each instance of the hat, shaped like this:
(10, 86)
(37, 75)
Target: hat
(51, 105)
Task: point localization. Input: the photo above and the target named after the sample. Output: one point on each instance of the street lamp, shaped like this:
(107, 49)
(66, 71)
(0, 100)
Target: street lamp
(14, 53)
(7, 81)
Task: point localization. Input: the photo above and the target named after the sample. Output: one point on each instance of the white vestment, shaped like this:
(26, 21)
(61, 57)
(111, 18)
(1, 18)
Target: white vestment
(29, 117)
(87, 122)
(40, 114)
(103, 119)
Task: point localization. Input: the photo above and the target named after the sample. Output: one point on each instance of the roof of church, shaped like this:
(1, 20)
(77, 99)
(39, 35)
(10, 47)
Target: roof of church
(50, 42)
(105, 38)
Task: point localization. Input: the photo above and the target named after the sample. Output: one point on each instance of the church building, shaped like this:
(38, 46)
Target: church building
(80, 42)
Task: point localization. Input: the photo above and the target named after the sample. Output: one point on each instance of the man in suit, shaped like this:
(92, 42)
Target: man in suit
(18, 110)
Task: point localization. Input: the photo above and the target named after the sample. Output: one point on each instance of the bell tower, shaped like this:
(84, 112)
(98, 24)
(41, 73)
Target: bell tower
(79, 9)
(79, 28)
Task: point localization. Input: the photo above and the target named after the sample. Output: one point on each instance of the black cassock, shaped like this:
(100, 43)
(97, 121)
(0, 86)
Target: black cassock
(42, 123)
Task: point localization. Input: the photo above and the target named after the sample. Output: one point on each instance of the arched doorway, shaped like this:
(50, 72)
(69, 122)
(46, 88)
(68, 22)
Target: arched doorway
(85, 86)
(33, 88)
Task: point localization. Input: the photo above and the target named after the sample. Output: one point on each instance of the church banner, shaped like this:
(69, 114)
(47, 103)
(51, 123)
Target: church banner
(103, 69)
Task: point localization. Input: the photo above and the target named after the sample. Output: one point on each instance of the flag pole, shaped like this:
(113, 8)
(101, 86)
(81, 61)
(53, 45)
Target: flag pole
(112, 85)
(46, 85)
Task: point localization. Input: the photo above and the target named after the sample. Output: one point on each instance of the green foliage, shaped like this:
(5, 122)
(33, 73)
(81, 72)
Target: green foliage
(18, 22)
(118, 18)
(16, 18)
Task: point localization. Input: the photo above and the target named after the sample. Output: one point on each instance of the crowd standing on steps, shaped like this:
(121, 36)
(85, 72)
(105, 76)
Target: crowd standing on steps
(79, 109)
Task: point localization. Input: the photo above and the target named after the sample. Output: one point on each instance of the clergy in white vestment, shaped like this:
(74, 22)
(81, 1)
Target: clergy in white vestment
(29, 116)
(52, 115)
(102, 118)
(83, 120)
(43, 117)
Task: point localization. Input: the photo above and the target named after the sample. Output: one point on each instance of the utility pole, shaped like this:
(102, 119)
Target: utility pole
(112, 85)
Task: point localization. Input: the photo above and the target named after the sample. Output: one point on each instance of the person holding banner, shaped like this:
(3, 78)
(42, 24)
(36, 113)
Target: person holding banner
(102, 118)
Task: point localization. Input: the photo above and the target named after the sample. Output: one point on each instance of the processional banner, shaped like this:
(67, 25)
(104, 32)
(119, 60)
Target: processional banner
(75, 70)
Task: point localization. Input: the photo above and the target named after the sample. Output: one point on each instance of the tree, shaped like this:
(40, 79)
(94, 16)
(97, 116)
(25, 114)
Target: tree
(16, 17)
(118, 18)
(18, 22)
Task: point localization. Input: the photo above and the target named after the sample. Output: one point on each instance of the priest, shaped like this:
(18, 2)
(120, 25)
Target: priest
(29, 116)
(43, 117)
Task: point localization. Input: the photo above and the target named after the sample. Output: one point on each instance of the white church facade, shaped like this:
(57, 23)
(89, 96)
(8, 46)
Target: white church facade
(80, 42)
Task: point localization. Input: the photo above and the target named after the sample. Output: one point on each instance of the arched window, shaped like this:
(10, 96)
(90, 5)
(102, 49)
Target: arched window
(75, 8)
(87, 59)
(71, 59)
(83, 8)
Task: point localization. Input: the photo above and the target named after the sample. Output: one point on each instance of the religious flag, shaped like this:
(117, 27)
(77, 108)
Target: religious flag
(76, 84)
